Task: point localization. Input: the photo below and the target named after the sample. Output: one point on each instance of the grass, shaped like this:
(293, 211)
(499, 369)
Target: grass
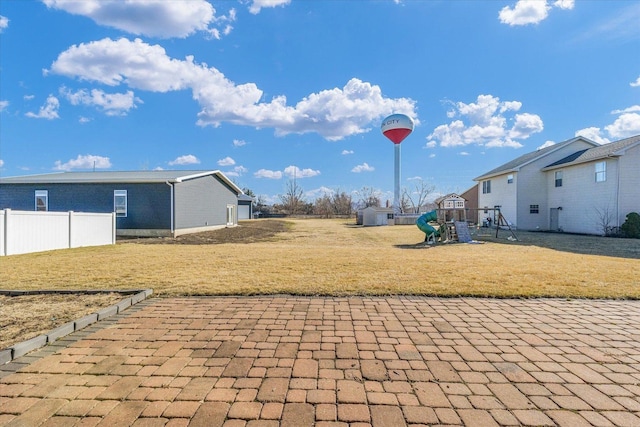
(334, 257)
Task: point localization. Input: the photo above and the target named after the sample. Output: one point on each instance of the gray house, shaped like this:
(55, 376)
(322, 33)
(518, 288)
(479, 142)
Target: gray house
(146, 203)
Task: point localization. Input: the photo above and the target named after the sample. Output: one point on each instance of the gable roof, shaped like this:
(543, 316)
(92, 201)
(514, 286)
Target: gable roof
(448, 196)
(133, 177)
(612, 149)
(515, 164)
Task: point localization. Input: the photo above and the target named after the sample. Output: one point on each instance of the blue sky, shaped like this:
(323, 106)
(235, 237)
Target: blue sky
(269, 90)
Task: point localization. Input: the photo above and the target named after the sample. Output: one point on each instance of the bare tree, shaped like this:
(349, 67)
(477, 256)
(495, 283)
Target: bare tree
(261, 205)
(604, 218)
(323, 206)
(417, 198)
(342, 203)
(293, 199)
(368, 196)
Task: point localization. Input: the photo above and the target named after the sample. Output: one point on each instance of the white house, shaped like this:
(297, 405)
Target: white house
(576, 186)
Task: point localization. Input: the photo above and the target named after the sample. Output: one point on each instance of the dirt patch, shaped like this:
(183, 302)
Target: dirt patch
(245, 232)
(27, 316)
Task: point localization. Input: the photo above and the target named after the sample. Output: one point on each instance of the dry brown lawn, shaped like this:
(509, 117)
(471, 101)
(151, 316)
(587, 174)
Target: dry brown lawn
(25, 317)
(335, 257)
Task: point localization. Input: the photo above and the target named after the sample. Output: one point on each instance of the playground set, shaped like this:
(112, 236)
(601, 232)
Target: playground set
(450, 224)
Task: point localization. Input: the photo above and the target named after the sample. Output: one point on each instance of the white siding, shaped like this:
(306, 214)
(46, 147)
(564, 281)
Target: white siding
(584, 202)
(502, 194)
(533, 185)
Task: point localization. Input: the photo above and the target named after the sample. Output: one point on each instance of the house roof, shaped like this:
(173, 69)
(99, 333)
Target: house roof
(136, 177)
(612, 149)
(448, 196)
(515, 164)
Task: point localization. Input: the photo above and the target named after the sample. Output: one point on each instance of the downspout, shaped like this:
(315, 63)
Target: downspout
(172, 207)
(618, 193)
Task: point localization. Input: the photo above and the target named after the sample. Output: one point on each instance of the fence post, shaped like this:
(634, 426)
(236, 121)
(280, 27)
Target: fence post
(70, 239)
(113, 231)
(5, 224)
(7, 234)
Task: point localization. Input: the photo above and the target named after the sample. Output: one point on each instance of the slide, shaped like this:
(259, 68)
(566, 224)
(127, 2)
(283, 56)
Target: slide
(423, 223)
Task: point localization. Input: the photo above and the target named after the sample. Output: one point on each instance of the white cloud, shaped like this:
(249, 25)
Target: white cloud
(116, 104)
(636, 83)
(88, 161)
(486, 124)
(347, 152)
(626, 125)
(333, 113)
(155, 18)
(83, 119)
(227, 161)
(564, 4)
(432, 155)
(527, 12)
(464, 153)
(237, 171)
(188, 159)
(296, 172)
(547, 144)
(256, 5)
(632, 109)
(265, 173)
(363, 168)
(415, 178)
(1, 163)
(318, 192)
(48, 111)
(525, 125)
(4, 23)
(594, 134)
(28, 97)
(3, 105)
(239, 143)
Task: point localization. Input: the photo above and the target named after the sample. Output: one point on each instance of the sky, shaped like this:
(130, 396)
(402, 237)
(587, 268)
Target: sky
(271, 91)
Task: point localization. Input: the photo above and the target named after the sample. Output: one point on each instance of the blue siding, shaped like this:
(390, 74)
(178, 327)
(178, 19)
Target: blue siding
(148, 205)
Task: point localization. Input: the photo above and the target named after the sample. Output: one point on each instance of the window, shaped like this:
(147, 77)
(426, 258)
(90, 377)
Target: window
(601, 171)
(534, 209)
(42, 200)
(486, 187)
(120, 202)
(459, 204)
(510, 178)
(558, 178)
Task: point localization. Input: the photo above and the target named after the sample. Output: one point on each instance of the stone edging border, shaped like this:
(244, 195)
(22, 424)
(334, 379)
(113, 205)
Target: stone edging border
(17, 350)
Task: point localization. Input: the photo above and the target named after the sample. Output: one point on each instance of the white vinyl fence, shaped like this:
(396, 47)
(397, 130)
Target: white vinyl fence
(24, 232)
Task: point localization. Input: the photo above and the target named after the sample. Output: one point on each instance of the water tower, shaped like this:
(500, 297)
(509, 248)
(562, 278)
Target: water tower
(397, 127)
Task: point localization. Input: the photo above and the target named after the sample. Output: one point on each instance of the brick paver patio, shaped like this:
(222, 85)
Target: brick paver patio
(329, 362)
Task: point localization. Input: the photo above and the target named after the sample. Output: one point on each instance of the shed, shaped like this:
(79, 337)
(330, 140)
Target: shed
(146, 203)
(245, 207)
(377, 216)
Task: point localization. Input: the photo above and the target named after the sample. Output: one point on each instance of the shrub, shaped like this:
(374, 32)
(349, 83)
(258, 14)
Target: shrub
(631, 227)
